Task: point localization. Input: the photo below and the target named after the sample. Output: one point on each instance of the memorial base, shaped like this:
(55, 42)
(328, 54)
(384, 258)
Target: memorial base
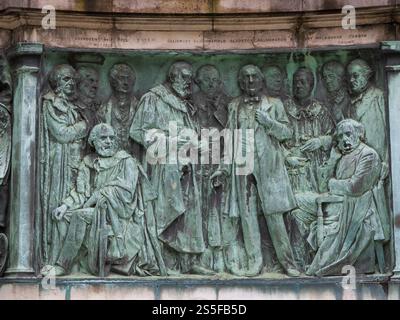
(372, 287)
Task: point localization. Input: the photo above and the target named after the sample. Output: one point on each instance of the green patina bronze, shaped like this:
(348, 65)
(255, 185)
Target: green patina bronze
(315, 199)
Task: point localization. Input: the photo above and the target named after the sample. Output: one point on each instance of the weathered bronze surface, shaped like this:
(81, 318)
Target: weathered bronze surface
(130, 182)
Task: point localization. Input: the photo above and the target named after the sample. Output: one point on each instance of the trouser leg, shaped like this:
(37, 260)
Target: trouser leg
(73, 242)
(280, 240)
(251, 234)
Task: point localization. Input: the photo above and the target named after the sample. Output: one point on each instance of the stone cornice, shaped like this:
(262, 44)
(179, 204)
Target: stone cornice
(195, 6)
(14, 18)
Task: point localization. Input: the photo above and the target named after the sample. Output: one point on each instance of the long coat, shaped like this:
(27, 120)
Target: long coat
(124, 202)
(63, 131)
(177, 208)
(273, 184)
(358, 222)
(369, 109)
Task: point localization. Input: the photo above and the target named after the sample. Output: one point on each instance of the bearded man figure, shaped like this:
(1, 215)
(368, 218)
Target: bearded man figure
(178, 206)
(109, 214)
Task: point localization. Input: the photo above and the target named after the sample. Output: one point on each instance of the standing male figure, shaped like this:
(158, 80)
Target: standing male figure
(120, 108)
(308, 148)
(368, 108)
(178, 206)
(368, 105)
(211, 103)
(63, 135)
(312, 126)
(88, 83)
(334, 80)
(274, 82)
(267, 189)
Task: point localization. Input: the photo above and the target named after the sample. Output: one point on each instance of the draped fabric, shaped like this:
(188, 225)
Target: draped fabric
(62, 142)
(177, 207)
(121, 227)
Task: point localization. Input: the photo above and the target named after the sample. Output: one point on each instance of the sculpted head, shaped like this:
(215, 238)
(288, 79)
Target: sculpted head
(359, 74)
(122, 78)
(102, 138)
(208, 79)
(180, 76)
(62, 80)
(333, 76)
(303, 83)
(88, 82)
(250, 79)
(274, 77)
(349, 134)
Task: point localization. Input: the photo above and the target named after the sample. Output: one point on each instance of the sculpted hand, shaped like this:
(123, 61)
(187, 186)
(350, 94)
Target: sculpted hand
(296, 162)
(91, 202)
(59, 212)
(263, 118)
(311, 145)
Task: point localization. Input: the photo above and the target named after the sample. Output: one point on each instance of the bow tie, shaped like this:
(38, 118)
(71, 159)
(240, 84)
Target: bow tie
(251, 99)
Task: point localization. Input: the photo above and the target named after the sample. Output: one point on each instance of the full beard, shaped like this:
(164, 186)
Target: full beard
(182, 89)
(106, 152)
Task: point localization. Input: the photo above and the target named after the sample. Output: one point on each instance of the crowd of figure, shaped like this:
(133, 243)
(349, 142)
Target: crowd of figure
(315, 201)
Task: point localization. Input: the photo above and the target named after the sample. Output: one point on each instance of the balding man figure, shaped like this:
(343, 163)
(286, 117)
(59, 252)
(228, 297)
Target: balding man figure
(266, 190)
(178, 207)
(368, 105)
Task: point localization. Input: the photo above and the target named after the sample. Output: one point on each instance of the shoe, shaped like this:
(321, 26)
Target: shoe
(291, 272)
(202, 271)
(59, 271)
(172, 272)
(50, 270)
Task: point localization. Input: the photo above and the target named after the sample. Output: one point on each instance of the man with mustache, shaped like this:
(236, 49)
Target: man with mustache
(108, 214)
(308, 148)
(368, 108)
(63, 135)
(351, 224)
(264, 193)
(178, 207)
(120, 108)
(312, 126)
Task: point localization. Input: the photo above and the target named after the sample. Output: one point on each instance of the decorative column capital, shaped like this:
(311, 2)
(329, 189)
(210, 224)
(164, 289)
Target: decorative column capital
(25, 57)
(25, 49)
(390, 46)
